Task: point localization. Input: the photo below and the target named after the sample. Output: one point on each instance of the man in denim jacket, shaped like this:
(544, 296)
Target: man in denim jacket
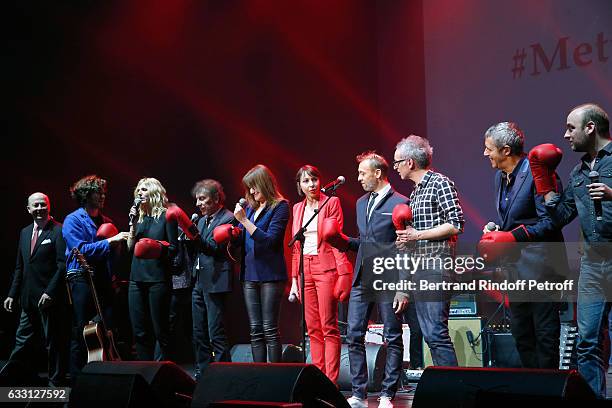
(588, 131)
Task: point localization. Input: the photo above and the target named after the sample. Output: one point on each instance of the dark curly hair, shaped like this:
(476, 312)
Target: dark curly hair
(86, 186)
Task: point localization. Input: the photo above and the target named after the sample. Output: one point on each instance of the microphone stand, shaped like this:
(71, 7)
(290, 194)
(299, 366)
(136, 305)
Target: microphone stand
(299, 236)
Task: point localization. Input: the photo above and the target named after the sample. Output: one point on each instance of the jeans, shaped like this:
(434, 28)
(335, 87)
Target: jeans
(416, 336)
(433, 309)
(262, 301)
(594, 284)
(149, 312)
(358, 314)
(83, 310)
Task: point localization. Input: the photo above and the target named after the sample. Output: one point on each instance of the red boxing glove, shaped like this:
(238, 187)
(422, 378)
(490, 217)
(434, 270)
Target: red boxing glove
(174, 213)
(106, 230)
(342, 289)
(147, 248)
(543, 160)
(225, 233)
(401, 216)
(496, 244)
(332, 234)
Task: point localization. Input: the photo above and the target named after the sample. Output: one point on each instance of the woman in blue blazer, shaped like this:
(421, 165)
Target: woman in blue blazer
(263, 269)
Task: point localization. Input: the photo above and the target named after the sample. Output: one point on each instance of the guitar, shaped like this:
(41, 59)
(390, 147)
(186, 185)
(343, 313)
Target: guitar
(98, 339)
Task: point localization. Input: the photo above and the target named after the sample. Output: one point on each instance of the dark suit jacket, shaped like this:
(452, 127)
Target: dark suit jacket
(215, 268)
(265, 254)
(43, 270)
(379, 229)
(538, 260)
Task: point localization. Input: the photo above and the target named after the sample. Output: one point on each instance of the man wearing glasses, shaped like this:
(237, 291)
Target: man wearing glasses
(437, 220)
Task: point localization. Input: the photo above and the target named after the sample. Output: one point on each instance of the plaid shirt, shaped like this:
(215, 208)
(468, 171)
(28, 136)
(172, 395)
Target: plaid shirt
(434, 202)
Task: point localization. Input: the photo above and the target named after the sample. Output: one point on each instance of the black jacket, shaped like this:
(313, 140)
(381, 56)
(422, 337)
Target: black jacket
(42, 271)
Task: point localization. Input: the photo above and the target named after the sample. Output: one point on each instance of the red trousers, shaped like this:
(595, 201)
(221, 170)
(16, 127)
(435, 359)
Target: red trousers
(321, 310)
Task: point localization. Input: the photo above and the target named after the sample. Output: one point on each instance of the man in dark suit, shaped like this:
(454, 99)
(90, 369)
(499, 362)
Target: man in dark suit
(39, 284)
(522, 217)
(375, 228)
(213, 278)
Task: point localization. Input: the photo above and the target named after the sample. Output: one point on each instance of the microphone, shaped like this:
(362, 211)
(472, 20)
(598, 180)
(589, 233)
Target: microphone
(243, 203)
(491, 226)
(470, 337)
(333, 185)
(194, 220)
(292, 297)
(137, 202)
(594, 176)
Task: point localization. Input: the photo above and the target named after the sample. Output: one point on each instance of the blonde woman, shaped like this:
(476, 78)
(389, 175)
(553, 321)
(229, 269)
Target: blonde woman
(154, 240)
(263, 270)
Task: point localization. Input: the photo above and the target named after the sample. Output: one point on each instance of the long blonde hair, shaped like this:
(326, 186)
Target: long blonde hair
(261, 178)
(158, 200)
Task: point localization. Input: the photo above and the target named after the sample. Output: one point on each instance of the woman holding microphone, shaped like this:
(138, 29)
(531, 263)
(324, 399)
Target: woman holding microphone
(327, 271)
(154, 240)
(263, 271)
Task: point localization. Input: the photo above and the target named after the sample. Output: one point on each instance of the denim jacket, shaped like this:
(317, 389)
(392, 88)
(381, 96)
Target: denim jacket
(576, 201)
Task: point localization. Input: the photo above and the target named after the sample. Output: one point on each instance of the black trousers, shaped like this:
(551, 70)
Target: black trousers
(263, 307)
(535, 328)
(179, 324)
(149, 304)
(210, 342)
(52, 327)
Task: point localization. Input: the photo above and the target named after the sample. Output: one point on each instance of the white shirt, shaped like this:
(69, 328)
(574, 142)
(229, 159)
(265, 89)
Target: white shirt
(381, 194)
(310, 244)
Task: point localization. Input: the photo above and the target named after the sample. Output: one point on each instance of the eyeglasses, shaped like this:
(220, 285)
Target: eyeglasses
(397, 162)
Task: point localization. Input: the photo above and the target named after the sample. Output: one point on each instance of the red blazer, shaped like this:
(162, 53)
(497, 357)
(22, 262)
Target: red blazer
(329, 257)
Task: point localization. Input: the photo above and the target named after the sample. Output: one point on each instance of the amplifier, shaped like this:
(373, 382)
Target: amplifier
(567, 346)
(463, 305)
(374, 335)
(467, 355)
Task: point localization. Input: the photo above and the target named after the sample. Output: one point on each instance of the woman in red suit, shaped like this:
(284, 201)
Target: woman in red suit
(327, 272)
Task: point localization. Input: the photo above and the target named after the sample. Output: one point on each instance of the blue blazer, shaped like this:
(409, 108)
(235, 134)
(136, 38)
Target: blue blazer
(79, 232)
(379, 229)
(538, 260)
(264, 252)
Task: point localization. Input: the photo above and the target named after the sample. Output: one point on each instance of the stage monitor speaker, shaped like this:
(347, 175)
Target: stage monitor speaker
(111, 390)
(241, 353)
(376, 358)
(168, 384)
(14, 373)
(467, 356)
(444, 387)
(295, 383)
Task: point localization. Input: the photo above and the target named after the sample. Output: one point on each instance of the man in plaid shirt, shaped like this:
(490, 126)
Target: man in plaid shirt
(437, 220)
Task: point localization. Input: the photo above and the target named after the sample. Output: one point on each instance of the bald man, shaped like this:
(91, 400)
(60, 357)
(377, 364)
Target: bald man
(38, 284)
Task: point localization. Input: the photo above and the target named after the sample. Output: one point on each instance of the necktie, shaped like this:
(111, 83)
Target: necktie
(207, 222)
(370, 205)
(34, 238)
